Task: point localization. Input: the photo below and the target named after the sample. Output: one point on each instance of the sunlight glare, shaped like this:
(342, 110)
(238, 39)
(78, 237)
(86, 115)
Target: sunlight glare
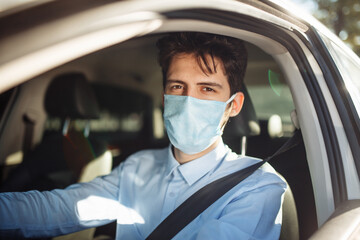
(100, 208)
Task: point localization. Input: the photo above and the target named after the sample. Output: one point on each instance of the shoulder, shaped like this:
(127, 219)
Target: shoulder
(148, 154)
(146, 158)
(264, 176)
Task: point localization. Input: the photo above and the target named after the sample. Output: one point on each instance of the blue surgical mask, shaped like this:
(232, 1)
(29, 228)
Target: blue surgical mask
(193, 124)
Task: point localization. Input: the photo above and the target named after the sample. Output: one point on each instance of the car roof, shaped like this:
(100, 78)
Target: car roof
(34, 24)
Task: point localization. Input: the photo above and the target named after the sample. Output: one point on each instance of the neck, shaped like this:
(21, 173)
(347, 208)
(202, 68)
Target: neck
(182, 157)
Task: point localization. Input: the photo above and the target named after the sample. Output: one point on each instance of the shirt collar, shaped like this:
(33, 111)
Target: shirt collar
(172, 164)
(195, 169)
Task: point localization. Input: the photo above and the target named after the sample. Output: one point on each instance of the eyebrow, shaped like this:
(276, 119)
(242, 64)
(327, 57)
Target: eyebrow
(168, 81)
(213, 84)
(174, 81)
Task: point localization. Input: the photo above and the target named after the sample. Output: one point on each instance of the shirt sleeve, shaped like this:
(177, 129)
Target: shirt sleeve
(56, 212)
(253, 215)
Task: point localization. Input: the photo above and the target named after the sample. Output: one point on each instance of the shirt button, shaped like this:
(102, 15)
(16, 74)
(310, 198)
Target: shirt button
(172, 194)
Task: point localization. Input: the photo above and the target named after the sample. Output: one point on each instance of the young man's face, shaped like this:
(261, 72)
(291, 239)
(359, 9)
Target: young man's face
(185, 77)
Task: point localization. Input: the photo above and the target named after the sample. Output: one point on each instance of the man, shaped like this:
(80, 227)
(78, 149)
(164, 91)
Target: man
(202, 77)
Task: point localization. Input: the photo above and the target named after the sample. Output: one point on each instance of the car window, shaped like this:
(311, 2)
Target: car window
(122, 115)
(273, 97)
(268, 89)
(349, 69)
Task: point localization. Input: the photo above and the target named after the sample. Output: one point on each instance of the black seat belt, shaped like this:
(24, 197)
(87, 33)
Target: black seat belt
(206, 196)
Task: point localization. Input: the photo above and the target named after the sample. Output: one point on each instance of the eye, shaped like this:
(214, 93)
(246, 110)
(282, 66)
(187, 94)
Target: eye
(208, 89)
(176, 87)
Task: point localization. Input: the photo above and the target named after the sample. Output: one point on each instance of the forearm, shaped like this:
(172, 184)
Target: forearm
(56, 212)
(37, 214)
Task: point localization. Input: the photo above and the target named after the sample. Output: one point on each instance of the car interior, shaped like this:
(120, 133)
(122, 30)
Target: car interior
(83, 118)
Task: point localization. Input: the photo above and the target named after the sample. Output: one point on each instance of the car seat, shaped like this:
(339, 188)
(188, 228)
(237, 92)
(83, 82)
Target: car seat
(69, 156)
(245, 124)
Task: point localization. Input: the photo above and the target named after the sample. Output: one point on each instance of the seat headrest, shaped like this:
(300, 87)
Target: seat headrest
(246, 122)
(71, 96)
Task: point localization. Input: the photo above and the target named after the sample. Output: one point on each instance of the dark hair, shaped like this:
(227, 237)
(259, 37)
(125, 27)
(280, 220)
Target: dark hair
(230, 51)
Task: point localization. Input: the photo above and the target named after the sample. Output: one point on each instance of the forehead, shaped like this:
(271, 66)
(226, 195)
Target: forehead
(184, 64)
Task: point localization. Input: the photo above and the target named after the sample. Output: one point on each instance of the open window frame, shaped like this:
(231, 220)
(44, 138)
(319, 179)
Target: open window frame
(324, 129)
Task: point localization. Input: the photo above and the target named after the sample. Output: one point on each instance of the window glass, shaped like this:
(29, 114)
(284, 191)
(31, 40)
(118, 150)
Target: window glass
(107, 122)
(272, 97)
(349, 67)
(268, 89)
(123, 115)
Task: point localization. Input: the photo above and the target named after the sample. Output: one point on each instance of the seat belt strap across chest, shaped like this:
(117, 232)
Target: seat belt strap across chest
(206, 196)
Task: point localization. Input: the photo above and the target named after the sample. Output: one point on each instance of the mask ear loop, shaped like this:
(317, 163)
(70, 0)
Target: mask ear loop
(231, 98)
(227, 102)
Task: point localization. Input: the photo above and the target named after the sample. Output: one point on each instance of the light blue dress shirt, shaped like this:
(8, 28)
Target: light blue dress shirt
(144, 190)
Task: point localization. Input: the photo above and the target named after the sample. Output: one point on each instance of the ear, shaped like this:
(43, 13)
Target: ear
(237, 104)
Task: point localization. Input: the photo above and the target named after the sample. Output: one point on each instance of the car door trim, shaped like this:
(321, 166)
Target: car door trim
(341, 97)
